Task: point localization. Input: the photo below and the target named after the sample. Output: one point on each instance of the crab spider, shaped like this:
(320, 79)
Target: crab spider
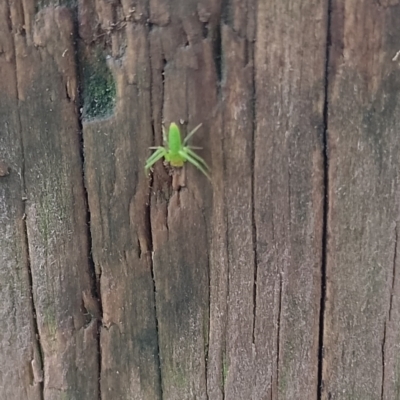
(176, 151)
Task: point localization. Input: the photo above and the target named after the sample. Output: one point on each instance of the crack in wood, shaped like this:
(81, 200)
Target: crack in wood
(39, 361)
(91, 301)
(278, 333)
(383, 360)
(252, 168)
(217, 56)
(324, 244)
(389, 313)
(149, 229)
(155, 312)
(393, 271)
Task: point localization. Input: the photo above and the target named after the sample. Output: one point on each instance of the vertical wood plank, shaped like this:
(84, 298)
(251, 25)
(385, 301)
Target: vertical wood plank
(206, 290)
(288, 196)
(237, 122)
(361, 331)
(117, 132)
(186, 94)
(20, 367)
(55, 205)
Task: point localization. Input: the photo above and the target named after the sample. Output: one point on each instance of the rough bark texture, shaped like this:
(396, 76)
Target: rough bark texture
(277, 279)
(20, 368)
(288, 187)
(55, 204)
(361, 331)
(115, 150)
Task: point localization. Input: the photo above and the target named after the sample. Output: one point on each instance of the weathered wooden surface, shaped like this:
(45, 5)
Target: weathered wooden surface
(115, 150)
(44, 122)
(19, 351)
(288, 196)
(254, 285)
(56, 215)
(212, 325)
(361, 331)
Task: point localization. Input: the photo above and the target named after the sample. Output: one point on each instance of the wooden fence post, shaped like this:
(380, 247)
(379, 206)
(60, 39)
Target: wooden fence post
(277, 278)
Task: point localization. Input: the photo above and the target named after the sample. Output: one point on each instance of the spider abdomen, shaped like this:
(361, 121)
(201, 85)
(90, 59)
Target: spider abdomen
(174, 139)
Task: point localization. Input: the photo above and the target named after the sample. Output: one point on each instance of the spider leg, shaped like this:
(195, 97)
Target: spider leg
(197, 161)
(164, 135)
(195, 147)
(196, 157)
(157, 155)
(191, 134)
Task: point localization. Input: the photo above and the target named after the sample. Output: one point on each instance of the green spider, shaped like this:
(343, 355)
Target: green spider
(177, 152)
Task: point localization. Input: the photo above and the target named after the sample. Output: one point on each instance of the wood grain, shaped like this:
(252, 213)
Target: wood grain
(55, 200)
(362, 310)
(288, 196)
(115, 149)
(278, 278)
(21, 367)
